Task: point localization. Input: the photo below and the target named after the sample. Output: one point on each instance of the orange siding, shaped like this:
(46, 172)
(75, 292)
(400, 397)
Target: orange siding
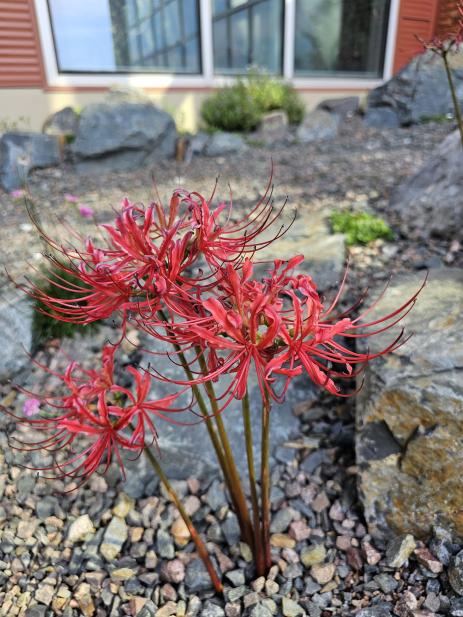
(447, 17)
(20, 53)
(416, 18)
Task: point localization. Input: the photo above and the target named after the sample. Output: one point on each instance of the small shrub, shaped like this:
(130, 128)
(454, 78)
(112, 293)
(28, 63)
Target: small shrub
(231, 109)
(46, 327)
(240, 107)
(360, 227)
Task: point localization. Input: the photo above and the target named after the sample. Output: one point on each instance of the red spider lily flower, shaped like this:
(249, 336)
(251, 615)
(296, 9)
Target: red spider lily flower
(310, 337)
(95, 420)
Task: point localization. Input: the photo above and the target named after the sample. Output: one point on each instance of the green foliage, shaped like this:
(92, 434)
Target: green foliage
(240, 107)
(231, 109)
(360, 227)
(44, 326)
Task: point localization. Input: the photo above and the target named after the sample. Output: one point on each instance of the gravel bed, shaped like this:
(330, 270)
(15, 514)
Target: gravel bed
(120, 549)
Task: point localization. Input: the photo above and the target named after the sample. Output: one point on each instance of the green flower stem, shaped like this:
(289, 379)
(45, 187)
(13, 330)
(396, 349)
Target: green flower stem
(202, 551)
(236, 486)
(454, 95)
(207, 418)
(258, 553)
(265, 481)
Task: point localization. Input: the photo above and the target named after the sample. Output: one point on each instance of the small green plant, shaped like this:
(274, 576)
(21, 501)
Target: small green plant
(240, 107)
(360, 227)
(231, 109)
(46, 327)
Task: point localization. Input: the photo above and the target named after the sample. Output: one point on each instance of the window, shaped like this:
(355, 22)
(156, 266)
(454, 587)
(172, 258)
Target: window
(247, 33)
(340, 37)
(122, 36)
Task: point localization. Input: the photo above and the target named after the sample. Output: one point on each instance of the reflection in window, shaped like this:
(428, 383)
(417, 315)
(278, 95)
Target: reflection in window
(126, 35)
(247, 32)
(341, 36)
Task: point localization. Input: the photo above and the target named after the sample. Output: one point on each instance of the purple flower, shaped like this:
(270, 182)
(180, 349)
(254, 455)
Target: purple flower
(73, 199)
(18, 193)
(85, 211)
(31, 407)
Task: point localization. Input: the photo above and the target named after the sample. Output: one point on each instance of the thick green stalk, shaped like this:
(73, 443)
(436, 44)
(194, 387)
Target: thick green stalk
(236, 487)
(202, 551)
(258, 553)
(208, 420)
(454, 95)
(265, 481)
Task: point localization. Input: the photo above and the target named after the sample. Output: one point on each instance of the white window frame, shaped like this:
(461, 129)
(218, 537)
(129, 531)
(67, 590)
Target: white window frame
(207, 79)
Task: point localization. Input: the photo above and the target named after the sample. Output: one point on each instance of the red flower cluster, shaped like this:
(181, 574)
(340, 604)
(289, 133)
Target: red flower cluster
(111, 418)
(185, 275)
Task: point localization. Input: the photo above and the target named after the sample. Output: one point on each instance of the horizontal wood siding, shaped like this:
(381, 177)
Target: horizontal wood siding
(447, 17)
(20, 54)
(416, 18)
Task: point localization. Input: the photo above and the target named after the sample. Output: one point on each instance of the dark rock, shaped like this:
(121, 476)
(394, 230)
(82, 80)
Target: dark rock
(456, 607)
(222, 143)
(280, 522)
(119, 135)
(64, 122)
(410, 411)
(314, 460)
(378, 610)
(430, 202)
(386, 582)
(236, 577)
(381, 118)
(412, 92)
(231, 529)
(20, 152)
(455, 573)
(318, 125)
(211, 609)
(215, 496)
(36, 611)
(346, 106)
(197, 578)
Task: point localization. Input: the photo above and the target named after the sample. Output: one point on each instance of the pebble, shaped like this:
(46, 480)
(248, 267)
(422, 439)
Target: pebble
(281, 520)
(235, 593)
(371, 554)
(299, 530)
(455, 573)
(291, 608)
(80, 529)
(169, 609)
(323, 573)
(281, 540)
(211, 609)
(196, 577)
(321, 502)
(164, 544)
(180, 533)
(44, 594)
(386, 583)
(236, 577)
(84, 600)
(428, 560)
(123, 506)
(122, 574)
(114, 537)
(233, 609)
(271, 588)
(379, 610)
(173, 571)
(399, 550)
(313, 554)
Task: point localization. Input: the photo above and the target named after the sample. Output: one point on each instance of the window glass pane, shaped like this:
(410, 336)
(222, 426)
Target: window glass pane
(336, 36)
(266, 21)
(123, 35)
(220, 44)
(247, 32)
(239, 39)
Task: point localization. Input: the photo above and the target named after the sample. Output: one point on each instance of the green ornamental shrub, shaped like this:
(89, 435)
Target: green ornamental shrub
(46, 327)
(360, 227)
(240, 107)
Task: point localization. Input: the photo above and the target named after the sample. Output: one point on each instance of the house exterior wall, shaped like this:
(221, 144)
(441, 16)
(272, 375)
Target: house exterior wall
(416, 18)
(20, 53)
(31, 91)
(447, 17)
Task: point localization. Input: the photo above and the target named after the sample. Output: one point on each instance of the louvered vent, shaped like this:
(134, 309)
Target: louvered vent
(416, 18)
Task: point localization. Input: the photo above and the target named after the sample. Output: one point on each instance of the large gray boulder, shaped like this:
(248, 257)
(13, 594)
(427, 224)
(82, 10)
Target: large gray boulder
(16, 326)
(318, 125)
(20, 152)
(417, 92)
(410, 413)
(430, 202)
(121, 134)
